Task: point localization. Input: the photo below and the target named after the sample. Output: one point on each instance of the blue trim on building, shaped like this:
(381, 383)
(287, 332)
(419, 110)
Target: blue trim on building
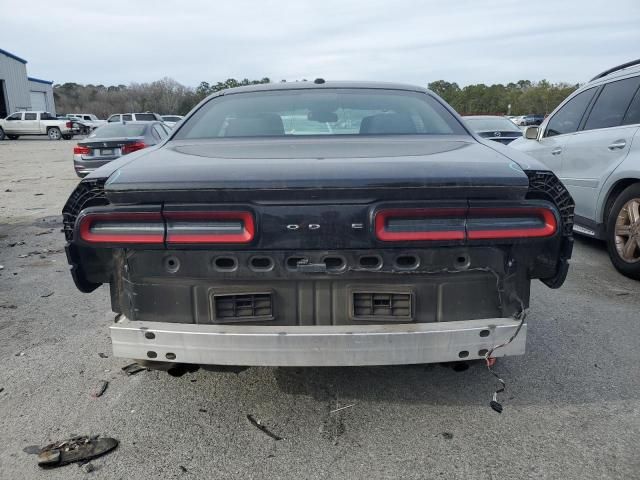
(15, 57)
(32, 79)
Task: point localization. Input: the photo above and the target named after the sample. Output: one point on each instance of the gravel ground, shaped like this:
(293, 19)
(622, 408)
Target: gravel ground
(572, 409)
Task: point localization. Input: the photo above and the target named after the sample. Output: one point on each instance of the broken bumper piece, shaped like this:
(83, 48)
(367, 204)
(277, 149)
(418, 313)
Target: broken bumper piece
(344, 345)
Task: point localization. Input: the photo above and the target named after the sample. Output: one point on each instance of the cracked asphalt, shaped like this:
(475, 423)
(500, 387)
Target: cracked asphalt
(572, 405)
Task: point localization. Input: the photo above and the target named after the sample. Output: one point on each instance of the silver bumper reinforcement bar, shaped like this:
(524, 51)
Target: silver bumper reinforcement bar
(331, 345)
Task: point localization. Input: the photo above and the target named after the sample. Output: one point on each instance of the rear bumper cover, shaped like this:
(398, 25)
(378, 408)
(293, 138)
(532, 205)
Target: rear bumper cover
(340, 345)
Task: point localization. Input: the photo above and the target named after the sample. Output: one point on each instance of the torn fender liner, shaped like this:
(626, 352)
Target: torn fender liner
(75, 449)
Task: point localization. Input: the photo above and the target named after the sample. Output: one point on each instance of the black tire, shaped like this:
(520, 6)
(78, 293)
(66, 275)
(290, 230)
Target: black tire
(54, 133)
(1, 134)
(629, 267)
(13, 137)
(67, 137)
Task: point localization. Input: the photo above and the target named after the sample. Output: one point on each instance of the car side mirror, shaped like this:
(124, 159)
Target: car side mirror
(531, 133)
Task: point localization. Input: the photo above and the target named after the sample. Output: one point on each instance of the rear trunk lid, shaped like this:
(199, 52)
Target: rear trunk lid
(107, 148)
(318, 169)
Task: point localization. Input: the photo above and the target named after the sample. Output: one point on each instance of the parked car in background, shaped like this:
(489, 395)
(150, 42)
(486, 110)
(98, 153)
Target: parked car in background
(135, 117)
(251, 237)
(79, 127)
(171, 120)
(114, 140)
(527, 120)
(491, 127)
(517, 119)
(35, 123)
(89, 119)
(591, 142)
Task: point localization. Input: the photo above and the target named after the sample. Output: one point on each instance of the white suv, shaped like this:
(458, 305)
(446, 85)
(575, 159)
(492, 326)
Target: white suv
(592, 144)
(134, 117)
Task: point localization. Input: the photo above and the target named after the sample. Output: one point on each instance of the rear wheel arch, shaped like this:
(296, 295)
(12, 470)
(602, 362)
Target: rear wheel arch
(626, 261)
(615, 191)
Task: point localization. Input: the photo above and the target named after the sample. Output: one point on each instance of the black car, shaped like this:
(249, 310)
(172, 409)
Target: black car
(333, 223)
(113, 140)
(528, 120)
(498, 129)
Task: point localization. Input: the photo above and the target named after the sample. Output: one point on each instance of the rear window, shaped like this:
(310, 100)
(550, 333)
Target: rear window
(118, 130)
(145, 117)
(321, 112)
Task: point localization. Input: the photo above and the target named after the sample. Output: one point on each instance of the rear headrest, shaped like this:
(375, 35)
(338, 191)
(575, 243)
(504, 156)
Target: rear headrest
(257, 126)
(388, 123)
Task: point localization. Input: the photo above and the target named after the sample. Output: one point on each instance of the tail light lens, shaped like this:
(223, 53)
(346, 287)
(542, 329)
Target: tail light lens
(209, 227)
(125, 227)
(518, 222)
(410, 224)
(69, 124)
(80, 150)
(173, 227)
(474, 223)
(133, 147)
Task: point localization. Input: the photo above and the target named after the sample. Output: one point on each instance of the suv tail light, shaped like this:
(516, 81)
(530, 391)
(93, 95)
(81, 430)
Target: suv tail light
(133, 147)
(209, 227)
(69, 124)
(80, 150)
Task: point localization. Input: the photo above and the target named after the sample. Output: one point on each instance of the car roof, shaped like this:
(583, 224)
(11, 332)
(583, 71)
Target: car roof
(627, 67)
(264, 87)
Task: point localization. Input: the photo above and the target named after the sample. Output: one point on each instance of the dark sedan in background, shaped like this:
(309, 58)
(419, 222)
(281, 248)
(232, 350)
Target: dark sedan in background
(112, 141)
(491, 127)
(534, 119)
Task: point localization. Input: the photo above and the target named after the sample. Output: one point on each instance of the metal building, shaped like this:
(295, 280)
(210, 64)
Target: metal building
(20, 92)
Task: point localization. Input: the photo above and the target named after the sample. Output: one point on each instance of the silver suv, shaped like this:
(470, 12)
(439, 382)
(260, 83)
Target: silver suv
(591, 142)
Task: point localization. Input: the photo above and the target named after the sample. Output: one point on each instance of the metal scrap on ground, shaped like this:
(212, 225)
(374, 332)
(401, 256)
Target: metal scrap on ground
(262, 428)
(133, 368)
(75, 449)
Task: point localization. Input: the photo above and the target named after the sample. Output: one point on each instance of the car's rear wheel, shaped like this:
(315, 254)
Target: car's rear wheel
(54, 133)
(623, 232)
(1, 134)
(67, 137)
(13, 137)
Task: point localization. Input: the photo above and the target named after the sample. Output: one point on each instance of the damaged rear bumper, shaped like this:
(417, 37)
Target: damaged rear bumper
(331, 345)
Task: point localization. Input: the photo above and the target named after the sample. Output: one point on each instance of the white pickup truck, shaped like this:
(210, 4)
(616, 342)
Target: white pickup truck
(35, 123)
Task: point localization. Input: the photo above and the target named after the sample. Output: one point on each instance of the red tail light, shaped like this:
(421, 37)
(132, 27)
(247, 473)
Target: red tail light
(409, 224)
(475, 223)
(133, 147)
(209, 227)
(172, 227)
(69, 124)
(80, 150)
(122, 227)
(517, 222)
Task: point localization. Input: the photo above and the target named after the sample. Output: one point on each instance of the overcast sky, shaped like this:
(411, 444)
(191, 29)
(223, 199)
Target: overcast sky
(123, 41)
